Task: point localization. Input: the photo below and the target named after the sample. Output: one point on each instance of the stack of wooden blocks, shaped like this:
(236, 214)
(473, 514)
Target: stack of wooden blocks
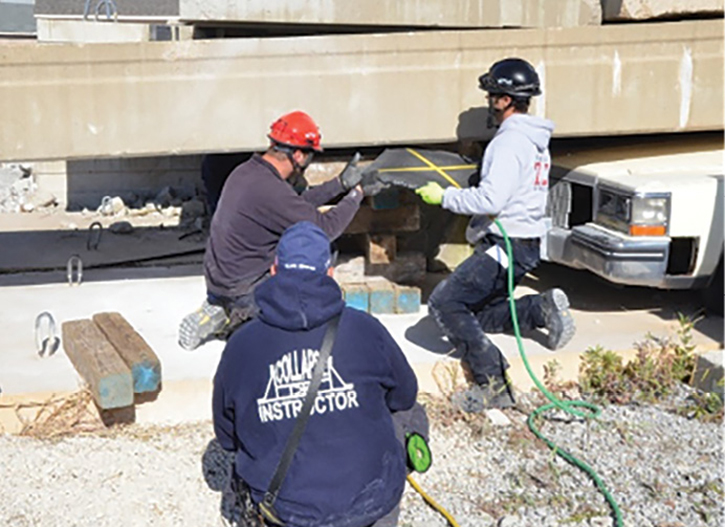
(112, 358)
(372, 282)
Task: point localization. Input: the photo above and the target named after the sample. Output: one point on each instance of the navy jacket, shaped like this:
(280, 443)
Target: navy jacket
(255, 207)
(349, 469)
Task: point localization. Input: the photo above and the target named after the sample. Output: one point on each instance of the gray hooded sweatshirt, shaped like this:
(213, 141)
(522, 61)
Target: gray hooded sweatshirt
(514, 182)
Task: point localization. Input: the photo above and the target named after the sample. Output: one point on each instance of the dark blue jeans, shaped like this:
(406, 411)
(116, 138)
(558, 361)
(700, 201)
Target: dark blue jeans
(473, 301)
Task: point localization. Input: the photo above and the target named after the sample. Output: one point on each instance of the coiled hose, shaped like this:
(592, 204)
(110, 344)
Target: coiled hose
(569, 407)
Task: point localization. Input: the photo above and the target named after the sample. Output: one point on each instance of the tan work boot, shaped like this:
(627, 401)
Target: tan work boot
(201, 325)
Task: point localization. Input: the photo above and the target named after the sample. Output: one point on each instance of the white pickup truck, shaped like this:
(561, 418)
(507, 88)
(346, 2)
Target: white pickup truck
(643, 214)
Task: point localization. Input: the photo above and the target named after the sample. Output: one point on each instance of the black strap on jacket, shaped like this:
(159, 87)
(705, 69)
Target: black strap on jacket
(266, 507)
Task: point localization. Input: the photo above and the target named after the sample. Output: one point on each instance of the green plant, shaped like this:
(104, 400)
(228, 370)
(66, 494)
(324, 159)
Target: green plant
(552, 380)
(660, 364)
(601, 373)
(703, 406)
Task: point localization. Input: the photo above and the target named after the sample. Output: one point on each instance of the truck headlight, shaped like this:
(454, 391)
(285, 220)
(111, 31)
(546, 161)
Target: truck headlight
(649, 215)
(633, 214)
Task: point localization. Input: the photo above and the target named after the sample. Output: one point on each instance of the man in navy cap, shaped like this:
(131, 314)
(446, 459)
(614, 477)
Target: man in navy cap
(349, 467)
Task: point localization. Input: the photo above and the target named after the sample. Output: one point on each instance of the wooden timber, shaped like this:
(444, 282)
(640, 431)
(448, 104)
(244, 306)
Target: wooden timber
(98, 363)
(133, 349)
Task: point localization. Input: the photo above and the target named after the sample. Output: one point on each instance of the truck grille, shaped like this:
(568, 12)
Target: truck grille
(569, 204)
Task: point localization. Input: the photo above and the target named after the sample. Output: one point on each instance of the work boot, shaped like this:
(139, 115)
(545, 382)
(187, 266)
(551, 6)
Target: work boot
(495, 394)
(557, 318)
(202, 324)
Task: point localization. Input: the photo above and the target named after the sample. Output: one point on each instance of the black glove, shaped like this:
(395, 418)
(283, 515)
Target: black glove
(371, 183)
(351, 175)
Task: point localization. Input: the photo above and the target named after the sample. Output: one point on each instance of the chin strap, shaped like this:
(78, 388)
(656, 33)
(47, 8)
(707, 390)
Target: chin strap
(289, 151)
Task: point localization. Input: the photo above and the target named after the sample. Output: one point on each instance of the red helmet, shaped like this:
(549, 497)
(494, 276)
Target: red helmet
(296, 130)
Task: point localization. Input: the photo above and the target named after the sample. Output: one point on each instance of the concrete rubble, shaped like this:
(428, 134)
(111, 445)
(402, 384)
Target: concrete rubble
(19, 191)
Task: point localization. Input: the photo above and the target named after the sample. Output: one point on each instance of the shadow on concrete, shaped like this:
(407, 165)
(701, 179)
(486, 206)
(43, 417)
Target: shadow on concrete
(216, 467)
(127, 414)
(472, 125)
(118, 416)
(426, 334)
(588, 292)
(42, 257)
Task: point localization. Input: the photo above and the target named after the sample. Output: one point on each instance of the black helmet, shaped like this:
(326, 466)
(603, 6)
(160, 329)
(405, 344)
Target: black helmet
(514, 77)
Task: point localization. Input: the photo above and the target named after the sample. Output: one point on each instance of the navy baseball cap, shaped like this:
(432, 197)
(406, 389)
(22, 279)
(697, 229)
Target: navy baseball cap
(304, 246)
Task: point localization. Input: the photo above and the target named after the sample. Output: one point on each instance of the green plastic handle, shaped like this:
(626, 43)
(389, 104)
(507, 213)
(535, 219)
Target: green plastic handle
(419, 455)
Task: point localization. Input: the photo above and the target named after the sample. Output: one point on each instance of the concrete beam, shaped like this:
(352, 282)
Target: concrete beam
(115, 100)
(619, 10)
(51, 30)
(108, 31)
(422, 13)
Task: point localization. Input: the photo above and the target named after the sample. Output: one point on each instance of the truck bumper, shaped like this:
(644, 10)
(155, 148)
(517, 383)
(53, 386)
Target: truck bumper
(619, 259)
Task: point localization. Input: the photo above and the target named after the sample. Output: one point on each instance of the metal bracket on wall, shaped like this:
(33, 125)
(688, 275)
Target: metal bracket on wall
(93, 241)
(111, 9)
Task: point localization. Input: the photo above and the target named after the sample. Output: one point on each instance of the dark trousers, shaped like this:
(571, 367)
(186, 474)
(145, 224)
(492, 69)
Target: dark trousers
(407, 421)
(240, 308)
(473, 301)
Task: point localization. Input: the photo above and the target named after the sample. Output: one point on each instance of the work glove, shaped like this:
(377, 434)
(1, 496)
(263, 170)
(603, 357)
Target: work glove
(371, 183)
(351, 175)
(432, 193)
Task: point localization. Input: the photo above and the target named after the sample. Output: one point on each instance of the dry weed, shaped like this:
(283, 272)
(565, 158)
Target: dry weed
(59, 416)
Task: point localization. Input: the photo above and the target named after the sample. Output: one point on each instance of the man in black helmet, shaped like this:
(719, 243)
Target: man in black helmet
(513, 188)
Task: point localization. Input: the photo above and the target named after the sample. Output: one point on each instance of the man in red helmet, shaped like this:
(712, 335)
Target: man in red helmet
(256, 205)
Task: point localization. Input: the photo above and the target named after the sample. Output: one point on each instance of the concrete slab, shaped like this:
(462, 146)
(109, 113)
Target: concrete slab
(91, 31)
(618, 10)
(154, 303)
(425, 13)
(160, 98)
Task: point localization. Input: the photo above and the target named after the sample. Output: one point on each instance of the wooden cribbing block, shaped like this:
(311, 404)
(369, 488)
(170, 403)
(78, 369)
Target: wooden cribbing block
(97, 362)
(368, 220)
(380, 248)
(408, 268)
(382, 297)
(349, 269)
(133, 349)
(407, 299)
(357, 296)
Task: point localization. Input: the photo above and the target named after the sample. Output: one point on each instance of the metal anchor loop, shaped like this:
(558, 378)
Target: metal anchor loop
(110, 5)
(94, 240)
(75, 270)
(47, 341)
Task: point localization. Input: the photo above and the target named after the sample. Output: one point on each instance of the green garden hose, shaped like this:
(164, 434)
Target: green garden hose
(570, 407)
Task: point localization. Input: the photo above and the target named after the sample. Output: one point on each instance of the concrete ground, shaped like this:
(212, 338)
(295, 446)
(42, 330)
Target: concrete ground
(154, 300)
(155, 296)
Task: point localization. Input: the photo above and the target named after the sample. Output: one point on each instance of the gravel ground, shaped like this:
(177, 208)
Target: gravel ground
(664, 470)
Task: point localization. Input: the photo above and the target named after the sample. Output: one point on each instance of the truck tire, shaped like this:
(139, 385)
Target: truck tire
(713, 295)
